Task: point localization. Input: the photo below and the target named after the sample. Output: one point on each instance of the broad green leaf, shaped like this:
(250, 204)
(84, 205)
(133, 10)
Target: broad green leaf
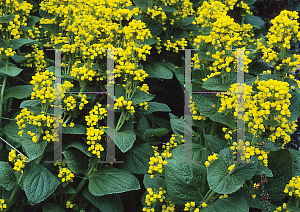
(154, 183)
(19, 91)
(183, 177)
(220, 181)
(107, 203)
(155, 28)
(12, 129)
(272, 123)
(150, 41)
(157, 107)
(178, 34)
(76, 160)
(263, 169)
(230, 204)
(7, 18)
(68, 190)
(294, 107)
(204, 103)
(76, 130)
(248, 168)
(143, 124)
(186, 21)
(11, 70)
(124, 140)
(80, 146)
(157, 70)
(33, 150)
(18, 58)
(255, 21)
(52, 207)
(137, 158)
(17, 43)
(53, 28)
(119, 91)
(258, 67)
(109, 180)
(30, 103)
(38, 183)
(216, 144)
(228, 120)
(253, 203)
(166, 8)
(7, 176)
(215, 84)
(282, 169)
(141, 96)
(292, 206)
(158, 132)
(32, 20)
(142, 4)
(178, 127)
(296, 161)
(269, 146)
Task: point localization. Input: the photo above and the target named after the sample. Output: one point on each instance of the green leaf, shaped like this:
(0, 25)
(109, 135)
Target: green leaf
(157, 107)
(53, 28)
(154, 183)
(220, 181)
(108, 203)
(18, 58)
(272, 123)
(7, 18)
(255, 21)
(76, 130)
(17, 43)
(52, 207)
(166, 8)
(137, 158)
(186, 21)
(32, 20)
(30, 103)
(215, 84)
(155, 28)
(216, 144)
(11, 70)
(157, 70)
(179, 127)
(250, 2)
(228, 120)
(183, 177)
(124, 140)
(258, 67)
(11, 130)
(294, 107)
(7, 176)
(178, 34)
(158, 132)
(119, 91)
(141, 96)
(19, 91)
(38, 183)
(68, 190)
(262, 169)
(80, 146)
(142, 4)
(296, 161)
(282, 169)
(33, 150)
(150, 41)
(229, 204)
(248, 168)
(109, 180)
(143, 124)
(76, 160)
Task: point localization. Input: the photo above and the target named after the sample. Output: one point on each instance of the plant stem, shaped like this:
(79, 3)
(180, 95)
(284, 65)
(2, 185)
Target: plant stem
(208, 193)
(12, 195)
(213, 127)
(82, 182)
(209, 197)
(120, 121)
(2, 93)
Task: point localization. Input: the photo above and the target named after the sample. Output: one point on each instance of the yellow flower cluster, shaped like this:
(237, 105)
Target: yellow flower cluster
(210, 159)
(18, 160)
(189, 205)
(153, 196)
(169, 207)
(209, 12)
(2, 204)
(94, 135)
(82, 73)
(69, 204)
(283, 208)
(223, 196)
(83, 101)
(175, 140)
(228, 133)
(158, 161)
(196, 115)
(174, 45)
(9, 52)
(144, 88)
(251, 151)
(39, 58)
(121, 103)
(293, 187)
(43, 87)
(65, 174)
(157, 11)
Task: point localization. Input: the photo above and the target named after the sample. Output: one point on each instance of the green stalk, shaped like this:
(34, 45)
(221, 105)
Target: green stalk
(2, 93)
(208, 193)
(120, 121)
(82, 182)
(15, 190)
(297, 201)
(209, 197)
